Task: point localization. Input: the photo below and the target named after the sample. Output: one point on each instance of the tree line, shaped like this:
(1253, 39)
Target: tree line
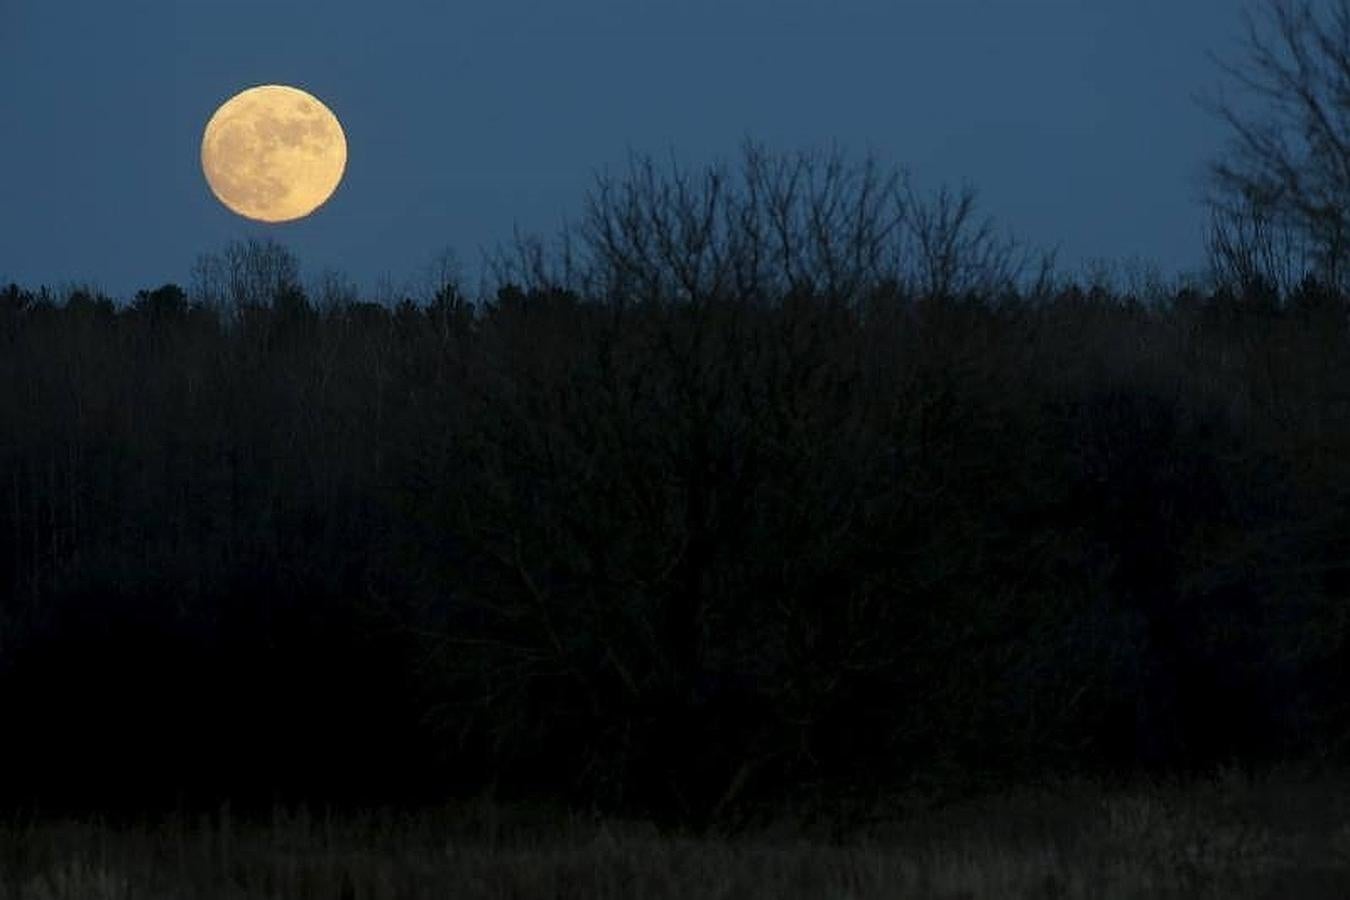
(673, 554)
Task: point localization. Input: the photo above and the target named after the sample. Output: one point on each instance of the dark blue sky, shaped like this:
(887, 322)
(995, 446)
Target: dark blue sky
(1075, 119)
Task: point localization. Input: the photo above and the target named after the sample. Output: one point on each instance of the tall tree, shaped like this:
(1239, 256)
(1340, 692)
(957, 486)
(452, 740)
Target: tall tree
(1287, 163)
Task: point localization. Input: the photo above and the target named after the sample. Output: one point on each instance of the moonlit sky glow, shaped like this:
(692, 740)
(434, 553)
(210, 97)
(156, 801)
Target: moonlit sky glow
(1075, 119)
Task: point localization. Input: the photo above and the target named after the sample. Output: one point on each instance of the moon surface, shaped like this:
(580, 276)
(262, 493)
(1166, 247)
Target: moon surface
(273, 153)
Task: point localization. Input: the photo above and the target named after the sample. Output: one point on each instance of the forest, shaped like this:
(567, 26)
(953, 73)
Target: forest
(777, 485)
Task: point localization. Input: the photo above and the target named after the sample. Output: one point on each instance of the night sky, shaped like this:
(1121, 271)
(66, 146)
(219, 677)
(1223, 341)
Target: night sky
(1075, 119)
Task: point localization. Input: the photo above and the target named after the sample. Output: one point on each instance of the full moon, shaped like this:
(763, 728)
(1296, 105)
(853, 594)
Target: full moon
(273, 153)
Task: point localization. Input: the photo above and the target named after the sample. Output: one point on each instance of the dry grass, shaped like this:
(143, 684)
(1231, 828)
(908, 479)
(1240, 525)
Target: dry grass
(1230, 837)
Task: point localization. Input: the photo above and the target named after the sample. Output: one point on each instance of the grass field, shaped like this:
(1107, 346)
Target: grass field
(1230, 836)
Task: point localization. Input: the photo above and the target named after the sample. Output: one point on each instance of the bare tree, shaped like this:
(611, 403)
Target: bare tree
(1253, 252)
(778, 225)
(334, 291)
(1287, 166)
(247, 274)
(954, 251)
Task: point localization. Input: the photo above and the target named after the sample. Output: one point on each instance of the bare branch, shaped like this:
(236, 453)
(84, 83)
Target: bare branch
(1287, 167)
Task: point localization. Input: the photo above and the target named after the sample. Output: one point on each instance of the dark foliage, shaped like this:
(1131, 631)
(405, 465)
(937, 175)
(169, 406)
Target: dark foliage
(666, 557)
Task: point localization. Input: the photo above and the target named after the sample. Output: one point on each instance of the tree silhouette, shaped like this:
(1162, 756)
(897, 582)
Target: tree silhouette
(1281, 191)
(777, 485)
(813, 224)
